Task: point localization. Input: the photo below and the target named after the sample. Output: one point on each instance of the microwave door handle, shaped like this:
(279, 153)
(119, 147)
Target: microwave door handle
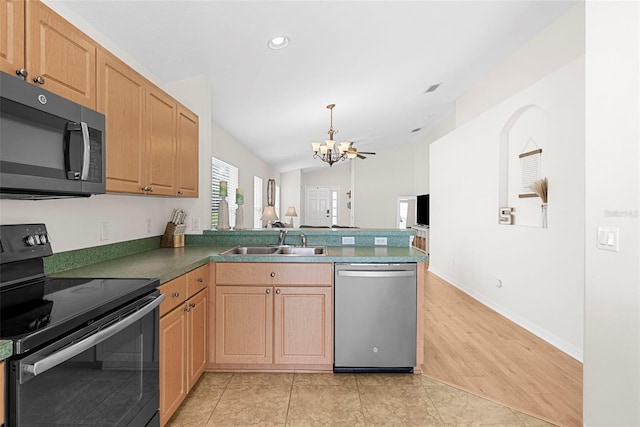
(86, 151)
(67, 353)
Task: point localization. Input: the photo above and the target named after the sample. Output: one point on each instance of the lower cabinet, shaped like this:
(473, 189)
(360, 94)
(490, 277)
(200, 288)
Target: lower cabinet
(183, 338)
(2, 393)
(284, 322)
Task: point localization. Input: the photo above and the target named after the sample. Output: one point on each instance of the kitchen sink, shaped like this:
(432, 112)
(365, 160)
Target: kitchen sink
(276, 250)
(303, 251)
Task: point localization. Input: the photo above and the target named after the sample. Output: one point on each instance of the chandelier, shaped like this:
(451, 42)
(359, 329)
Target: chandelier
(331, 152)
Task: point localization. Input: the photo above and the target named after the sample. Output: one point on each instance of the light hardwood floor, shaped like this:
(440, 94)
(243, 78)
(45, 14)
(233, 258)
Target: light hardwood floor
(472, 347)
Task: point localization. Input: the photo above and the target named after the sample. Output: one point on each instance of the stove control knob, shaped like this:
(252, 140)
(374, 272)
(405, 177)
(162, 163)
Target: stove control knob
(43, 239)
(30, 241)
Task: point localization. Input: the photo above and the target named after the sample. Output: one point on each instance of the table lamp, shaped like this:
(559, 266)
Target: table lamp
(291, 212)
(269, 215)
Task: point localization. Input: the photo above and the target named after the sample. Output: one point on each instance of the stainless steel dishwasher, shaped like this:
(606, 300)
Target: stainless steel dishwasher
(375, 317)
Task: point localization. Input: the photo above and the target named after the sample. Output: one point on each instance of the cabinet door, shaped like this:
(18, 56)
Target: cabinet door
(1, 392)
(197, 337)
(62, 55)
(187, 153)
(120, 95)
(160, 154)
(303, 325)
(244, 324)
(173, 362)
(11, 36)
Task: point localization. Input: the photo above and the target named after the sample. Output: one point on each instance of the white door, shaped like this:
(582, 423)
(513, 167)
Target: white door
(321, 206)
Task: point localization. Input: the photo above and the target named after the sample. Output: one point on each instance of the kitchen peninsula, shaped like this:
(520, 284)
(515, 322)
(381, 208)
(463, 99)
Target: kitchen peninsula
(226, 313)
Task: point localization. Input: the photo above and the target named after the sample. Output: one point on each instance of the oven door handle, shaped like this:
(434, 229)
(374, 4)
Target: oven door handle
(67, 353)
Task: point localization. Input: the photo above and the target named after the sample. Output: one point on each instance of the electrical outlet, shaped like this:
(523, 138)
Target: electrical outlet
(147, 223)
(348, 240)
(195, 224)
(105, 230)
(380, 241)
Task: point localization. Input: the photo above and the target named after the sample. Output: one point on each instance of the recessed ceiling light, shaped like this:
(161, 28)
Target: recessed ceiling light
(278, 42)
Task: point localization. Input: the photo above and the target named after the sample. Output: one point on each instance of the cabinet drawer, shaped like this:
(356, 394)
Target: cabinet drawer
(197, 280)
(176, 292)
(281, 274)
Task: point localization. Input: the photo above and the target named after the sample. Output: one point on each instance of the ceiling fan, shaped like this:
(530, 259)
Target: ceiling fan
(353, 152)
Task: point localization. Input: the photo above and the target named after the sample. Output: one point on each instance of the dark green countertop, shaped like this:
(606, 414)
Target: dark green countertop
(6, 349)
(169, 263)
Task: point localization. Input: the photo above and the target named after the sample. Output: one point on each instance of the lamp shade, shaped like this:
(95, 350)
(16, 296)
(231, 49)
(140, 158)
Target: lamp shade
(269, 214)
(291, 211)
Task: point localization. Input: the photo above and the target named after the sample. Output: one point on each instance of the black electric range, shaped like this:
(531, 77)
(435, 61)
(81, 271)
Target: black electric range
(35, 308)
(94, 339)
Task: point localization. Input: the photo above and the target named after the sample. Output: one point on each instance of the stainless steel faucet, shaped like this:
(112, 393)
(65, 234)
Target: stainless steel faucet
(304, 240)
(283, 235)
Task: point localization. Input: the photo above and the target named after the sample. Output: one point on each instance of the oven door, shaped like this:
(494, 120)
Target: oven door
(105, 374)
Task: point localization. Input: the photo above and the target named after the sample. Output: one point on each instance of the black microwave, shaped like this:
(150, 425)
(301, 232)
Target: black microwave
(50, 147)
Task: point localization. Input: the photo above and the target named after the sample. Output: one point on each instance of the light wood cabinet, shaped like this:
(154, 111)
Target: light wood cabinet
(183, 338)
(152, 140)
(12, 36)
(187, 167)
(59, 55)
(277, 314)
(121, 98)
(173, 362)
(161, 143)
(53, 53)
(2, 386)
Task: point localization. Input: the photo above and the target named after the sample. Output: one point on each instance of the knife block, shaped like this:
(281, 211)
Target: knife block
(173, 236)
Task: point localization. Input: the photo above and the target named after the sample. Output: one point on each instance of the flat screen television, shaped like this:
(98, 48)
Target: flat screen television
(422, 209)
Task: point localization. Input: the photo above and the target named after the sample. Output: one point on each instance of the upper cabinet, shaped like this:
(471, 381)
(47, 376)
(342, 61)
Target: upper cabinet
(187, 153)
(43, 48)
(151, 139)
(121, 98)
(11, 35)
(160, 157)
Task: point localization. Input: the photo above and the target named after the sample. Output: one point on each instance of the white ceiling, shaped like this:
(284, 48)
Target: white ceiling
(373, 59)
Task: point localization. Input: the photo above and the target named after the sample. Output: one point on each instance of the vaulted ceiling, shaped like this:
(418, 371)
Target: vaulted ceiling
(374, 59)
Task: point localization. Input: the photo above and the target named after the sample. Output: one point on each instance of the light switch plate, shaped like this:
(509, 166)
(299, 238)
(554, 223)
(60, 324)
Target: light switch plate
(608, 238)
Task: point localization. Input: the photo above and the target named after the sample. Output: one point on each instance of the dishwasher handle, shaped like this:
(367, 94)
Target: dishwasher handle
(376, 274)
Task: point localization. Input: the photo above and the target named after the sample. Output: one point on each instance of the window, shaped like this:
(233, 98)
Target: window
(257, 202)
(334, 207)
(222, 171)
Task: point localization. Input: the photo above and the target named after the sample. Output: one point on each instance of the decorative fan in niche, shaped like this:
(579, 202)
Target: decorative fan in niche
(330, 152)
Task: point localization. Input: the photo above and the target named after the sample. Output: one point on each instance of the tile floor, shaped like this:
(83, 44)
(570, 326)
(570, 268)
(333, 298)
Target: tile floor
(318, 399)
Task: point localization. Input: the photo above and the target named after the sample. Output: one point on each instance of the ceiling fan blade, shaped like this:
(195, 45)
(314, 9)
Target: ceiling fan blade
(366, 152)
(360, 156)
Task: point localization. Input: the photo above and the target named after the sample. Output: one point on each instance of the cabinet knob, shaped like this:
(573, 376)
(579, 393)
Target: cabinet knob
(176, 294)
(200, 279)
(187, 309)
(272, 274)
(268, 291)
(180, 193)
(150, 189)
(278, 291)
(22, 72)
(39, 80)
(192, 305)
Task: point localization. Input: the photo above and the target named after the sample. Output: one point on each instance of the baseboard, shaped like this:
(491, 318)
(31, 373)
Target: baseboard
(559, 343)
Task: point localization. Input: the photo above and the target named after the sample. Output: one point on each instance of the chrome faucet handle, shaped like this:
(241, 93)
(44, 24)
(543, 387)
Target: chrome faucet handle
(304, 240)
